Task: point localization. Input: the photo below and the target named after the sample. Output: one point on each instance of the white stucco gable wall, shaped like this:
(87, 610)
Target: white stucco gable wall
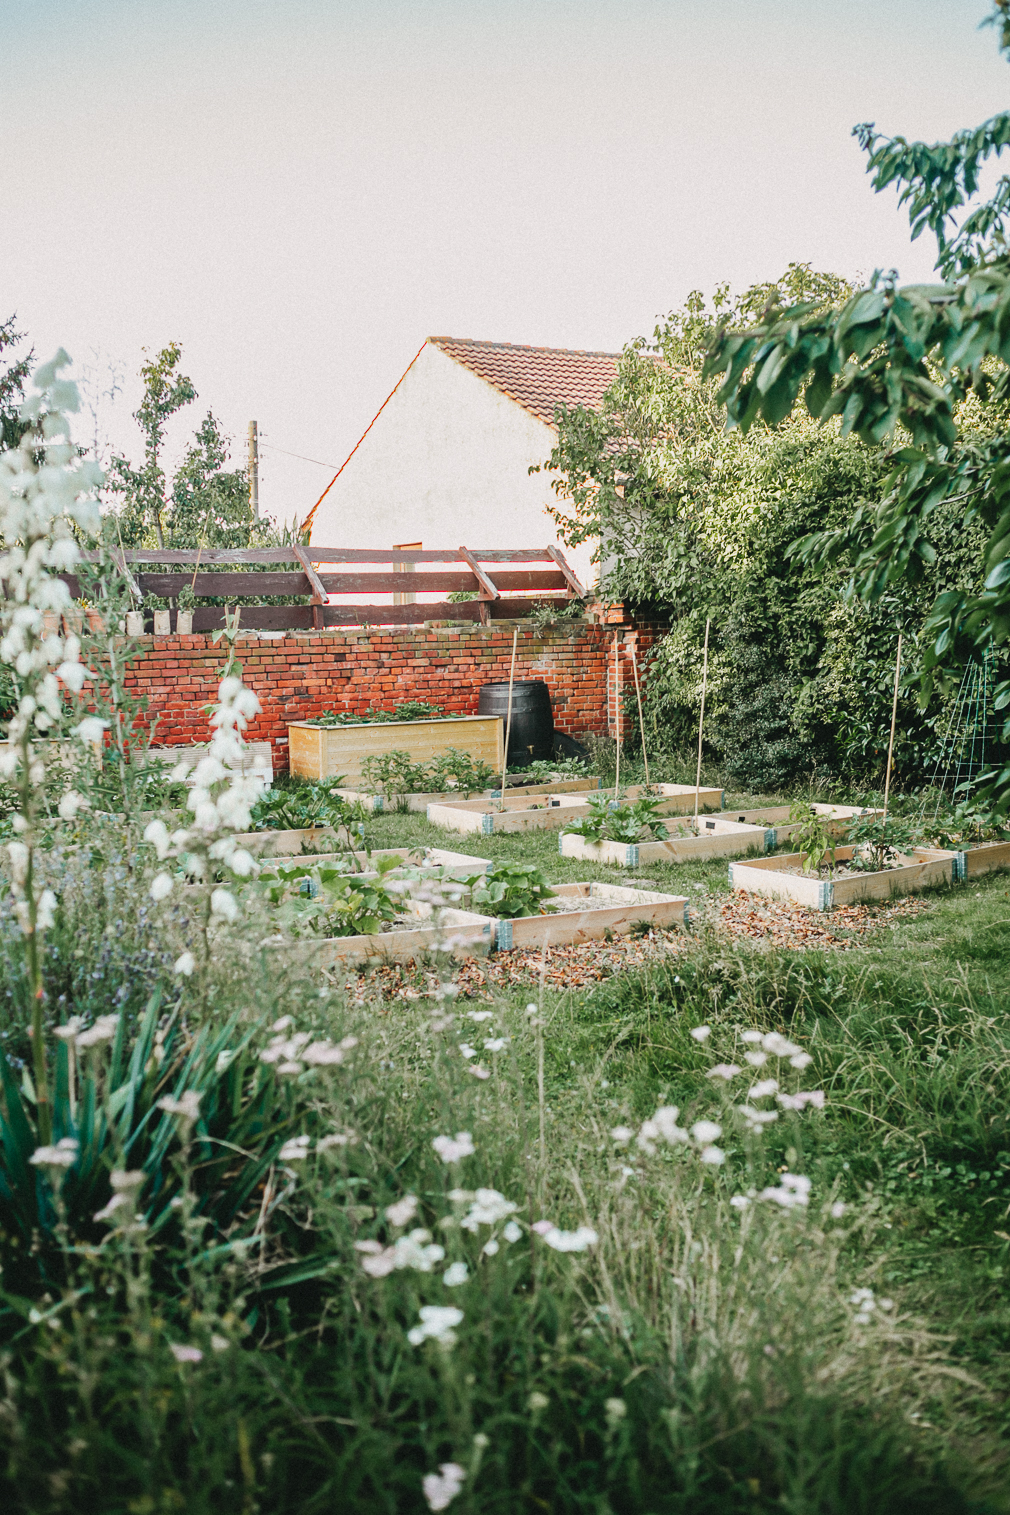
(446, 463)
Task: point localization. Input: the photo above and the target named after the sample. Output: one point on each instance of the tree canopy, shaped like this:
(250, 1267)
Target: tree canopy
(922, 371)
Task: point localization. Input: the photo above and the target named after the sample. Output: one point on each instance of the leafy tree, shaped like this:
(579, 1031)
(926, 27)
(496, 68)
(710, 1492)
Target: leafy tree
(209, 503)
(12, 386)
(143, 489)
(924, 371)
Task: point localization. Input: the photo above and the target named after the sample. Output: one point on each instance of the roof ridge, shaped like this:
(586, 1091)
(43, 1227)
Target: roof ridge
(572, 352)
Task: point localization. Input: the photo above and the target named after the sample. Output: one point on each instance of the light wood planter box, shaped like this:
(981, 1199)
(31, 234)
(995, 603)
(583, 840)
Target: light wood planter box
(609, 908)
(325, 752)
(775, 818)
(457, 933)
(551, 809)
(972, 862)
(258, 760)
(716, 838)
(457, 865)
(919, 869)
(419, 803)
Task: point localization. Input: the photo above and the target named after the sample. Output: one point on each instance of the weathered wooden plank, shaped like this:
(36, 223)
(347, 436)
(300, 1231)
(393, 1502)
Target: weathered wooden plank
(191, 555)
(489, 589)
(256, 618)
(429, 582)
(399, 615)
(232, 586)
(727, 841)
(570, 578)
(397, 554)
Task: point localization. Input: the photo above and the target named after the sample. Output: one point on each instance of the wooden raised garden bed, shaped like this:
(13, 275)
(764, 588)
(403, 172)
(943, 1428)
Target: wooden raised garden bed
(552, 809)
(984, 857)
(326, 752)
(457, 865)
(918, 869)
(608, 909)
(419, 803)
(457, 933)
(259, 760)
(715, 838)
(775, 819)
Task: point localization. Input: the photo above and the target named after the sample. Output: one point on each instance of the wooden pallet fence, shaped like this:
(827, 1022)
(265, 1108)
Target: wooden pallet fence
(506, 583)
(920, 868)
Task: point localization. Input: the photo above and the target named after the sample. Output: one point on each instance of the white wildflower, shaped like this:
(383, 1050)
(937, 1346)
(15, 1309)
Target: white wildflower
(161, 886)
(184, 965)
(467, 1050)
(455, 1274)
(779, 1046)
(622, 1135)
(701, 1033)
(89, 731)
(739, 1201)
(185, 1354)
(480, 1015)
(723, 1070)
(800, 1061)
(715, 1156)
(479, 1071)
(441, 1488)
(512, 1232)
(756, 1120)
(454, 1150)
(705, 1131)
(751, 1037)
(801, 1099)
(571, 1241)
(438, 1323)
(792, 1192)
(103, 1030)
(487, 1209)
(838, 1209)
(403, 1211)
(70, 804)
(496, 1043)
(62, 1155)
(224, 904)
(187, 1105)
(756, 1059)
(764, 1089)
(294, 1150)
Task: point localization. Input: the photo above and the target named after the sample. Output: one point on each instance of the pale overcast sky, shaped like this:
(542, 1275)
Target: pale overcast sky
(301, 191)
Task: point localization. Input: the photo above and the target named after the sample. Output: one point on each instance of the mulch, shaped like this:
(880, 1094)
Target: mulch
(765, 922)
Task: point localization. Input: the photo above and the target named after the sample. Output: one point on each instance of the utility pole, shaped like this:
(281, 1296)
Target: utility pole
(254, 470)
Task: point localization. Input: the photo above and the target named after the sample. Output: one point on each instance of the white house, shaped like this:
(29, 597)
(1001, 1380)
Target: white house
(446, 460)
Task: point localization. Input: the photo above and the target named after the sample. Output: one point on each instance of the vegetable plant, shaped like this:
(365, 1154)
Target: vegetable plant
(407, 710)
(469, 774)
(327, 900)
(879, 843)
(620, 822)
(812, 839)
(297, 807)
(395, 774)
(511, 890)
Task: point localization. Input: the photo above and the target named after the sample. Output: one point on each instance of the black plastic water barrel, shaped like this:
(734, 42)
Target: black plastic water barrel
(532, 736)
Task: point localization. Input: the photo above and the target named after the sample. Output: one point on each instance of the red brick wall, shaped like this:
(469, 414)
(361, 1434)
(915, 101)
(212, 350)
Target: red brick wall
(304, 673)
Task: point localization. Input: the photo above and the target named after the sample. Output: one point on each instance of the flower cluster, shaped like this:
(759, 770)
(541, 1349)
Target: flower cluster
(221, 798)
(41, 505)
(867, 1304)
(663, 1127)
(293, 1053)
(441, 1488)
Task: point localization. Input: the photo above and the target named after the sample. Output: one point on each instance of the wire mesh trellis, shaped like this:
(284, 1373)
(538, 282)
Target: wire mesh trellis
(968, 748)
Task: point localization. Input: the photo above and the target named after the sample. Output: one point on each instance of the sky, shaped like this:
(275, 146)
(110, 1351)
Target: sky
(301, 191)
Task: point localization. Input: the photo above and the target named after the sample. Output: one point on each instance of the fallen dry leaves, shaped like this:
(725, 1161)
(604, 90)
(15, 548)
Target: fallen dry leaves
(765, 922)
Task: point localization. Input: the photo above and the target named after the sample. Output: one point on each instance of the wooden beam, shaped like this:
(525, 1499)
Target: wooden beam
(426, 582)
(318, 592)
(489, 592)
(450, 555)
(226, 585)
(574, 585)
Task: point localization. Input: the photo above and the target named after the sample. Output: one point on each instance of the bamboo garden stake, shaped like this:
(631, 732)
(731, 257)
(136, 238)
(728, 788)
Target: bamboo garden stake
(894, 717)
(508, 723)
(617, 721)
(701, 719)
(641, 717)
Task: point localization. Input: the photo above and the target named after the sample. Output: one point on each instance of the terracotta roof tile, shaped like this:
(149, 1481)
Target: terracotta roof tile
(537, 378)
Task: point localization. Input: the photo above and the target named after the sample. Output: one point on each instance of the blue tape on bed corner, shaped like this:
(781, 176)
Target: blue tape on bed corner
(687, 916)
(959, 872)
(503, 936)
(486, 824)
(631, 856)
